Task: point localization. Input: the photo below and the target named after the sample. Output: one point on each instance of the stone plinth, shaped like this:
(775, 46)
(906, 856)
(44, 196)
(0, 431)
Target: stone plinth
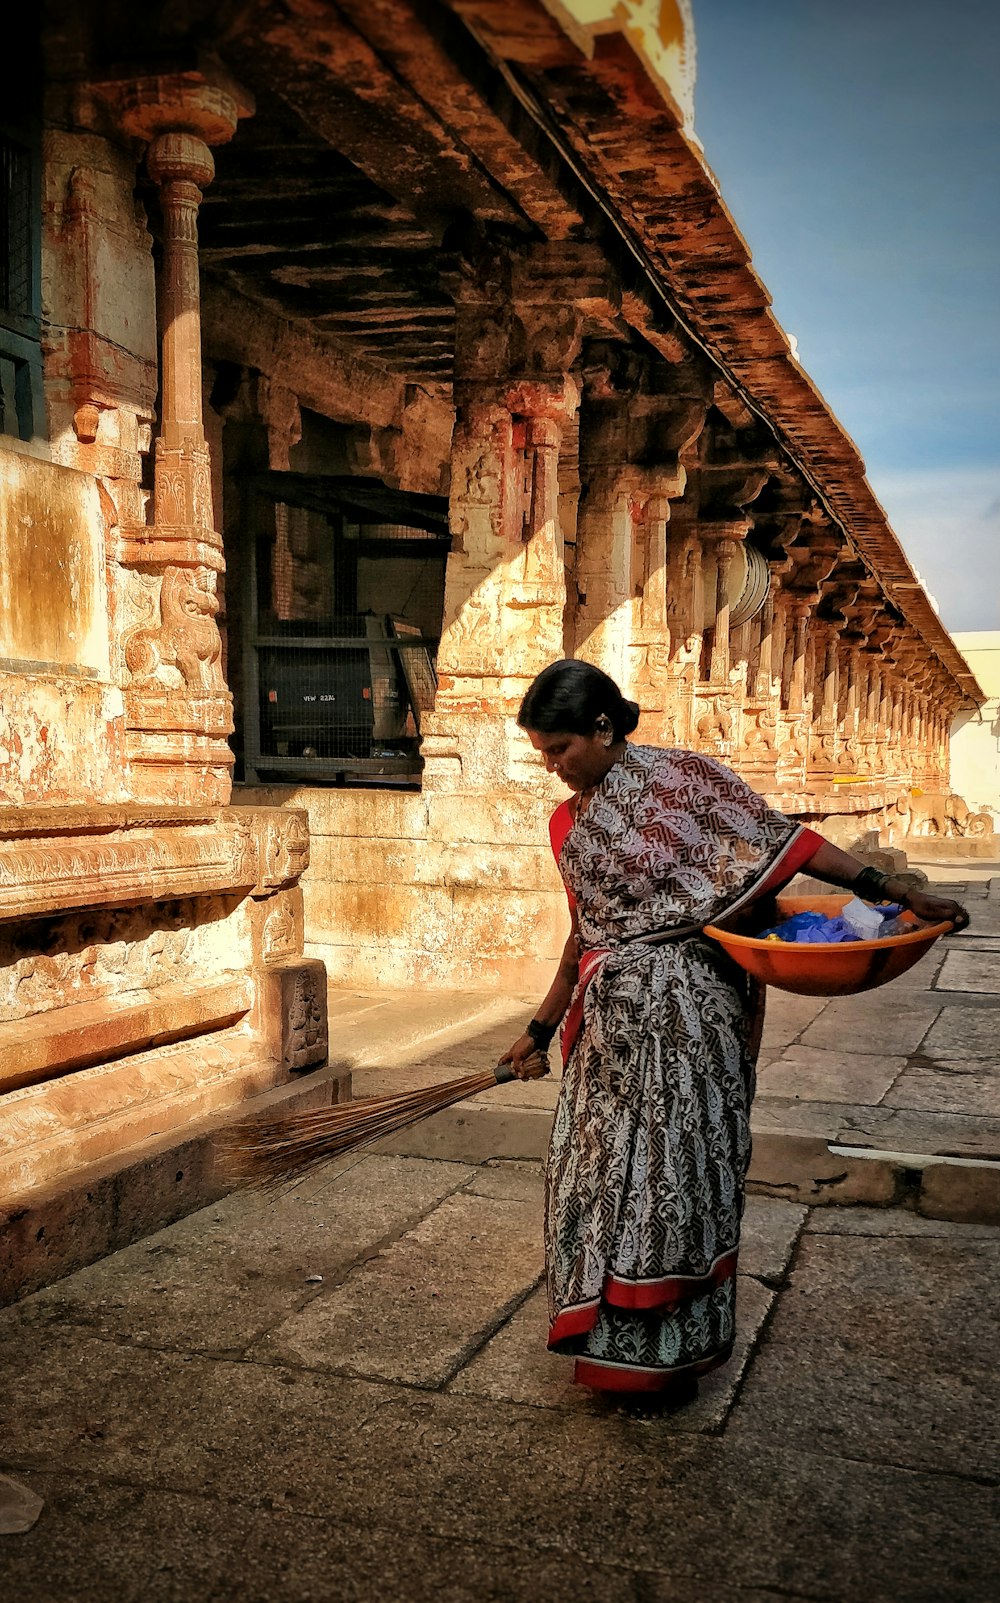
(151, 973)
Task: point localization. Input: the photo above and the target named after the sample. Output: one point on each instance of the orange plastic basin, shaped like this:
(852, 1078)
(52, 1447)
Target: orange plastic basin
(834, 969)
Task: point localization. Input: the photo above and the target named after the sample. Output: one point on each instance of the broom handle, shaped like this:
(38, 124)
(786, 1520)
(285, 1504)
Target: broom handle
(504, 1073)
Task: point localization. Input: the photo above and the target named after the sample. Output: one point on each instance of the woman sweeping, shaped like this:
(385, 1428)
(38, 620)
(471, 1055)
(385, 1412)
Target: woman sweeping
(651, 1140)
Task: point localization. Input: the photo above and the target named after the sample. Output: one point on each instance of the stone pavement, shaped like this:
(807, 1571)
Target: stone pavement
(343, 1393)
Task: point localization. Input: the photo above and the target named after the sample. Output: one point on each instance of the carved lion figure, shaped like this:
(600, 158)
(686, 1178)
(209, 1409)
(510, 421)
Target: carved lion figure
(188, 637)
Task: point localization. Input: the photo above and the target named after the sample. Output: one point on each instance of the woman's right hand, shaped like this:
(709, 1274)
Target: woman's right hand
(525, 1059)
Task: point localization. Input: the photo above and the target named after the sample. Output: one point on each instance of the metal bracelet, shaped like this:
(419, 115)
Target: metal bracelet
(540, 1033)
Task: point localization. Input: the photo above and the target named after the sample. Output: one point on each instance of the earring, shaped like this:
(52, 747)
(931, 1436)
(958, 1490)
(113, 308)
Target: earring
(608, 739)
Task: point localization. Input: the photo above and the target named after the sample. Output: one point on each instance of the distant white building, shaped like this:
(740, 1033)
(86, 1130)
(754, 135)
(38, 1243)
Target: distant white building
(975, 733)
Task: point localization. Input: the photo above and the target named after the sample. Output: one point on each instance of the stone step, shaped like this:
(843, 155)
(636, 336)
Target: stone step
(800, 1165)
(147, 1182)
(51, 1129)
(83, 1034)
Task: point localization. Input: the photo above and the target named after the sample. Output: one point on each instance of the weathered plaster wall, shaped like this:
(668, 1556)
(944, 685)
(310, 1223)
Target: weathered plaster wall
(975, 735)
(431, 890)
(61, 713)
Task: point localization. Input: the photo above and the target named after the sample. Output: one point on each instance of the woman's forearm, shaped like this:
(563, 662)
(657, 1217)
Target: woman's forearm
(557, 998)
(829, 863)
(833, 866)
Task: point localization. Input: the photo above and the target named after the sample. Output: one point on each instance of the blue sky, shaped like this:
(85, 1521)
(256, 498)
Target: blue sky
(857, 145)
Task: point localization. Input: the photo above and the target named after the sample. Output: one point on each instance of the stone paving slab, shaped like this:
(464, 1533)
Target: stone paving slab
(786, 1016)
(109, 1542)
(957, 1085)
(867, 1024)
(888, 1222)
(768, 1235)
(966, 941)
(815, 1074)
(964, 1032)
(959, 1135)
(984, 920)
(219, 1279)
(416, 1310)
(548, 1485)
(879, 1355)
(970, 971)
(515, 1363)
(385, 1026)
(186, 1474)
(509, 1181)
(516, 1366)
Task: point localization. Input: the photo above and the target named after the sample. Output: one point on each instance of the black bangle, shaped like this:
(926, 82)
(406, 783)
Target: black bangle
(540, 1033)
(871, 884)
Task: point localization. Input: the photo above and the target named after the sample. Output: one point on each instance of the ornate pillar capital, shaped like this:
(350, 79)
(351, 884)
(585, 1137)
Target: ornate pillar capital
(206, 103)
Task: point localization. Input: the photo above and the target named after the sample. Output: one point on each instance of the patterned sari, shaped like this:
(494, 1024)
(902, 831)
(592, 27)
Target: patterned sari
(651, 1140)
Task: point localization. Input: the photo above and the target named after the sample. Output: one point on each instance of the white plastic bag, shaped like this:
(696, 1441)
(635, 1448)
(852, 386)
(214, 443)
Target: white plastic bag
(865, 921)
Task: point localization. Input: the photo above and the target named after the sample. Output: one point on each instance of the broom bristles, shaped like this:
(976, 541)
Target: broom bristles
(272, 1152)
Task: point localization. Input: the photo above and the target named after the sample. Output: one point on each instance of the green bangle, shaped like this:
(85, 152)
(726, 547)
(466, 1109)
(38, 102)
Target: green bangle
(871, 884)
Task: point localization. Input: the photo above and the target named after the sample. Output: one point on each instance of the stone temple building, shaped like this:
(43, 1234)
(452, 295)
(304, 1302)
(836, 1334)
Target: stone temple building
(356, 361)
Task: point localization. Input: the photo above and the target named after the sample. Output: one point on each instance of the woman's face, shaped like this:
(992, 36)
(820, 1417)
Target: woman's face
(580, 761)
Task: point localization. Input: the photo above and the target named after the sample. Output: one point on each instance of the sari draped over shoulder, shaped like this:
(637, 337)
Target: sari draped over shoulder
(651, 1140)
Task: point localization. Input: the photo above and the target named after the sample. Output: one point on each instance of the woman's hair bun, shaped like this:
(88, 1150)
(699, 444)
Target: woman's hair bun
(571, 696)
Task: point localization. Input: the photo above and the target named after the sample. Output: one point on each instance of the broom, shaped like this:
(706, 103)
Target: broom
(274, 1152)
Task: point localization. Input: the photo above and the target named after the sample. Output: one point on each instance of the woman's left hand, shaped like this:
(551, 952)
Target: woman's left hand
(935, 909)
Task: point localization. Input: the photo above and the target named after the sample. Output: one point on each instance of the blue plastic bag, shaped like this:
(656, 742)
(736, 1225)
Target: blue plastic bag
(814, 929)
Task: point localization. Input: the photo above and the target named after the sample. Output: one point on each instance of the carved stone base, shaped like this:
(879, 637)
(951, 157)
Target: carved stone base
(293, 1012)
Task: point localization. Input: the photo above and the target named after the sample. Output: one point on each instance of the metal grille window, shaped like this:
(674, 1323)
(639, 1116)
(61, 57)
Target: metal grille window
(342, 600)
(21, 401)
(16, 246)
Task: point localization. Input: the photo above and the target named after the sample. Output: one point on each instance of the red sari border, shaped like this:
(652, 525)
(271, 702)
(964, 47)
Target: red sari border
(666, 1292)
(602, 1374)
(669, 1291)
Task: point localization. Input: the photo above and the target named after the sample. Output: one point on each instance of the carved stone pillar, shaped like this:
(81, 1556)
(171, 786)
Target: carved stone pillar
(725, 557)
(906, 733)
(636, 418)
(178, 708)
(823, 741)
(758, 755)
(848, 707)
(871, 740)
(505, 591)
(650, 676)
(915, 735)
(611, 483)
(685, 610)
(763, 680)
(801, 609)
(734, 462)
(922, 772)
